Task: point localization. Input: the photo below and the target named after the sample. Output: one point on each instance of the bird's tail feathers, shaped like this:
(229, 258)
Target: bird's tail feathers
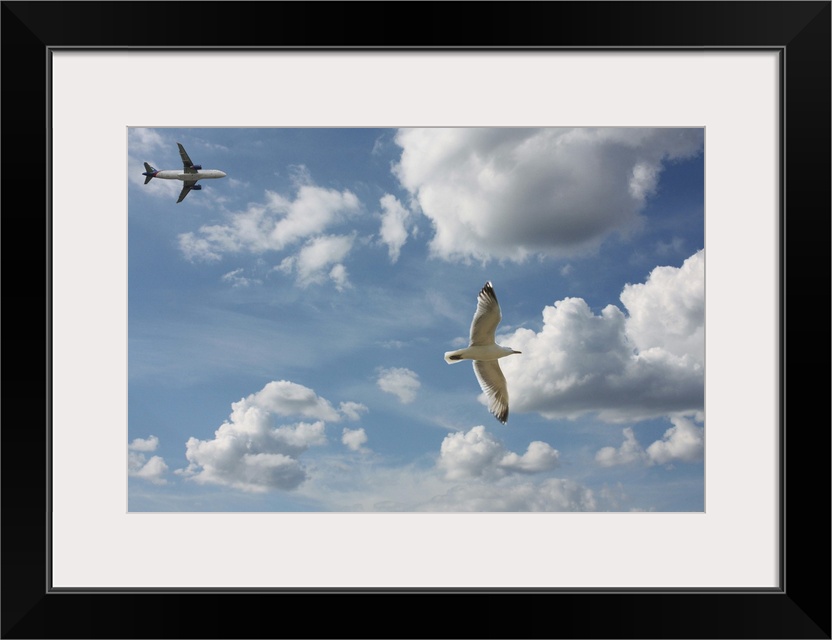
(452, 356)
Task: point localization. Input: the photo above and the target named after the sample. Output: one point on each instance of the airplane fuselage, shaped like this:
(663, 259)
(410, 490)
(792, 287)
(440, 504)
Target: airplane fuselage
(177, 174)
(190, 173)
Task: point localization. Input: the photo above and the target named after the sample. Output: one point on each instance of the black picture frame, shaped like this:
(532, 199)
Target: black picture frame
(799, 608)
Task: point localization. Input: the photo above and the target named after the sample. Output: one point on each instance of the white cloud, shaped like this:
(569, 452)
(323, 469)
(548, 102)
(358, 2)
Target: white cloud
(683, 442)
(338, 274)
(668, 310)
(553, 494)
(140, 444)
(285, 398)
(354, 439)
(139, 466)
(270, 226)
(152, 470)
(319, 254)
(402, 383)
(539, 456)
(646, 365)
(146, 145)
(145, 141)
(375, 486)
(352, 410)
(249, 453)
(629, 452)
(477, 454)
(508, 193)
(393, 231)
(237, 280)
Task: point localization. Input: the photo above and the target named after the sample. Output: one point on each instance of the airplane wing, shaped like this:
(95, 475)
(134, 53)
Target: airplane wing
(186, 188)
(186, 161)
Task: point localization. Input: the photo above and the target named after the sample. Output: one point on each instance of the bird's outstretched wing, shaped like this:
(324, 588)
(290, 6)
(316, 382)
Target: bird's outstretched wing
(486, 318)
(493, 383)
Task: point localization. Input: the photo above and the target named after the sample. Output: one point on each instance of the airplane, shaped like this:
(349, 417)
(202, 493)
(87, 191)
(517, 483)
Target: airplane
(189, 173)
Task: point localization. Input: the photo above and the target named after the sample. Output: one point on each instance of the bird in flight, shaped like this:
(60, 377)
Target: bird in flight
(485, 352)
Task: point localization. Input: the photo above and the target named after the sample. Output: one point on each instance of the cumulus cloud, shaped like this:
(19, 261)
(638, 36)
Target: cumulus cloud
(393, 231)
(668, 310)
(508, 193)
(477, 454)
(402, 383)
(319, 259)
(354, 439)
(629, 452)
(285, 398)
(683, 442)
(646, 364)
(140, 444)
(270, 226)
(152, 470)
(250, 453)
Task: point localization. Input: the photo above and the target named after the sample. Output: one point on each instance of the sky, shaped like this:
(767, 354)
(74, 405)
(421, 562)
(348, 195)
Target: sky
(287, 323)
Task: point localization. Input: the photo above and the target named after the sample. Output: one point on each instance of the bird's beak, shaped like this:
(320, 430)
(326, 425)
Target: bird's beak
(517, 351)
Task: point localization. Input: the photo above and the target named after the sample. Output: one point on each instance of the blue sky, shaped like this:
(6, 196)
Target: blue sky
(287, 323)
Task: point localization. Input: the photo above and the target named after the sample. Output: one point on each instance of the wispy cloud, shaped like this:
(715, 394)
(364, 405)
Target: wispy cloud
(472, 471)
(319, 259)
(551, 494)
(237, 279)
(352, 410)
(394, 220)
(272, 225)
(401, 382)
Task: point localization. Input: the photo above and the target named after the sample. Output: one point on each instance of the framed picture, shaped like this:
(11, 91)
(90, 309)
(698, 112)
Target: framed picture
(719, 114)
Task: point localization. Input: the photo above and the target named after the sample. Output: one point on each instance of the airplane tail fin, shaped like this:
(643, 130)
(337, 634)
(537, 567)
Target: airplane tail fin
(149, 172)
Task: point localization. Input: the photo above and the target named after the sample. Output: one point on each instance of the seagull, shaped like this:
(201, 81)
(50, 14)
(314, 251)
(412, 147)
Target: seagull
(485, 352)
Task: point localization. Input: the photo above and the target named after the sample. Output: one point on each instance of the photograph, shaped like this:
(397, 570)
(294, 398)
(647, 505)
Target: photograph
(297, 294)
(370, 307)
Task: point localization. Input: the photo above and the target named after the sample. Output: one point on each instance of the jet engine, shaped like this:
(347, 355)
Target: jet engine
(197, 187)
(196, 166)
